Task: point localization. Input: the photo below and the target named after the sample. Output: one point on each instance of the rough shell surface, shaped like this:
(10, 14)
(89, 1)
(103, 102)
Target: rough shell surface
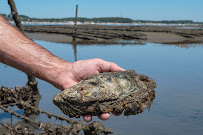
(108, 92)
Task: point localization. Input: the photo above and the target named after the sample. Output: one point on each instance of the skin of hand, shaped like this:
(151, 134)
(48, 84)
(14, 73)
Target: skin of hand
(80, 70)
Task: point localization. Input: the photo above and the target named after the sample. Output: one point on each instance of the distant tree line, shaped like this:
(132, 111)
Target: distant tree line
(82, 19)
(98, 20)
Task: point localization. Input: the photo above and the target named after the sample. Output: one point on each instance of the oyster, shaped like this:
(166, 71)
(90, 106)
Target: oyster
(108, 92)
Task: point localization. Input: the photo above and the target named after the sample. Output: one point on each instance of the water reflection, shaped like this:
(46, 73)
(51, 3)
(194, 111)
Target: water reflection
(75, 50)
(178, 107)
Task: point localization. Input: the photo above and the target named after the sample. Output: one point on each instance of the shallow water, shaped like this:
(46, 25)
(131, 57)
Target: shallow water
(178, 72)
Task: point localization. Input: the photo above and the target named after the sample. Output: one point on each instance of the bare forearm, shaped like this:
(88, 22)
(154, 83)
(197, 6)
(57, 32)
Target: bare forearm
(19, 52)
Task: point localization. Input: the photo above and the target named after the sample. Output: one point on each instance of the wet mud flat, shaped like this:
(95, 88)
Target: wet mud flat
(111, 34)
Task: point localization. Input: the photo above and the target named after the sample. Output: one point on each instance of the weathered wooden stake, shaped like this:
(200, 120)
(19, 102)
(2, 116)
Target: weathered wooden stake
(31, 80)
(76, 17)
(121, 18)
(15, 15)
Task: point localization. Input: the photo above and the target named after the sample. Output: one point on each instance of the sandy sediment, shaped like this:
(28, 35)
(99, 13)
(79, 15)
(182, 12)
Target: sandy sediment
(102, 34)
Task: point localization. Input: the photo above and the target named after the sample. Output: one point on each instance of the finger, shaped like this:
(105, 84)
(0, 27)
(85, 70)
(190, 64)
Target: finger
(104, 116)
(106, 66)
(114, 67)
(87, 118)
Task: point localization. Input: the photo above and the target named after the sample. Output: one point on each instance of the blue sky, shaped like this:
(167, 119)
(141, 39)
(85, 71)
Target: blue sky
(135, 9)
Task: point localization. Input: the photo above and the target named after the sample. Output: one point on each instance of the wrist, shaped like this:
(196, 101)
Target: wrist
(56, 74)
(61, 76)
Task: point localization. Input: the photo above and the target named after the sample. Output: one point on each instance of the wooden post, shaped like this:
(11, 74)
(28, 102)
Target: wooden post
(15, 15)
(121, 18)
(75, 28)
(31, 80)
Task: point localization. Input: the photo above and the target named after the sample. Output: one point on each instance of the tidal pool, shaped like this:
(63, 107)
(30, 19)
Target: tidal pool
(178, 72)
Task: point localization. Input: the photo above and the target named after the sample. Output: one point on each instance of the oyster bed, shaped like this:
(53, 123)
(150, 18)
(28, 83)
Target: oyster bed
(25, 98)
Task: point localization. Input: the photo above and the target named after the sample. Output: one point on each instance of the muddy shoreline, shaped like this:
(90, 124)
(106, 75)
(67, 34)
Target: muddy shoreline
(90, 34)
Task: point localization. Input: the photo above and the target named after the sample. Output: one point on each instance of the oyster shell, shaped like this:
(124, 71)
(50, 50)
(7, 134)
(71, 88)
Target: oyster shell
(108, 92)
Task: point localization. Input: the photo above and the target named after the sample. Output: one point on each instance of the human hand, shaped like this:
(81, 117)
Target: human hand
(73, 73)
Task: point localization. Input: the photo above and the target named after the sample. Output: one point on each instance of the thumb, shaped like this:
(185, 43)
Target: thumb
(106, 66)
